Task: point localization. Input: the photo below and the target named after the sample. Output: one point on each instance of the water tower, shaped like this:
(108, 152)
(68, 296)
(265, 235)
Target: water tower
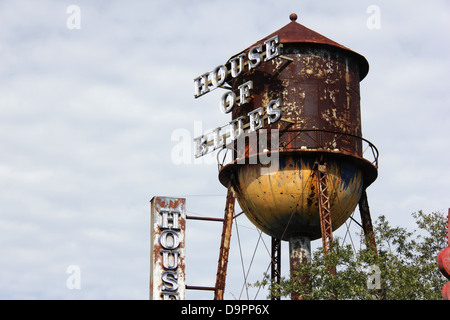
(323, 166)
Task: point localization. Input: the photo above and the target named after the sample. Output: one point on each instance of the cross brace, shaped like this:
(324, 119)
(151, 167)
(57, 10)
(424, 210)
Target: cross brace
(276, 265)
(324, 206)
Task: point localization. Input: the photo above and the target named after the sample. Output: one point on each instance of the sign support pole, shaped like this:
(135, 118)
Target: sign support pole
(225, 245)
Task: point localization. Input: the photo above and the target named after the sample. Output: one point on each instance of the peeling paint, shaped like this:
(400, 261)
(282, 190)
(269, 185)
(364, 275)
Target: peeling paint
(319, 86)
(167, 245)
(294, 187)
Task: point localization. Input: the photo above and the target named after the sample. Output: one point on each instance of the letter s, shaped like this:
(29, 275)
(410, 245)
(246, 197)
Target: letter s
(170, 281)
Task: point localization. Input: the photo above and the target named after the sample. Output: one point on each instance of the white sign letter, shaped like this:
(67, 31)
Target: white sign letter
(227, 102)
(244, 90)
(234, 72)
(274, 113)
(272, 47)
(233, 134)
(218, 76)
(255, 119)
(254, 56)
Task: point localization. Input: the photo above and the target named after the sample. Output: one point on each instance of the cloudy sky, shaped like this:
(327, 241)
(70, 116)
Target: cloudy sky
(90, 115)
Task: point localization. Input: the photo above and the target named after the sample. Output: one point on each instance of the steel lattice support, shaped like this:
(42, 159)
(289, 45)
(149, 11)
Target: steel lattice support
(276, 265)
(324, 207)
(225, 245)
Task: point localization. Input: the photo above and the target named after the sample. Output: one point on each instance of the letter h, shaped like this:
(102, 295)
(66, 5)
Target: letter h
(171, 217)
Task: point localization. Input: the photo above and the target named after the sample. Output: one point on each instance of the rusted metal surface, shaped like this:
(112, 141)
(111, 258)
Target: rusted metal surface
(299, 254)
(167, 245)
(319, 92)
(295, 32)
(324, 206)
(285, 203)
(319, 89)
(320, 142)
(317, 81)
(367, 221)
(225, 245)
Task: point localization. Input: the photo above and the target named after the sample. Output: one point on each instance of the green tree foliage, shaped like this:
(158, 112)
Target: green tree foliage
(405, 266)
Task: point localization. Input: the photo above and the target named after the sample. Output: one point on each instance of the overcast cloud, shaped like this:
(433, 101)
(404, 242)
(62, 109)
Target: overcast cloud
(89, 118)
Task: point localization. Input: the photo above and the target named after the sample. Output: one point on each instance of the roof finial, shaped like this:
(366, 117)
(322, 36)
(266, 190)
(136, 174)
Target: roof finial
(293, 16)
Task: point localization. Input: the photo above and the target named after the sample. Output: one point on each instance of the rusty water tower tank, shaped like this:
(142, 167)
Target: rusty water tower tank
(317, 80)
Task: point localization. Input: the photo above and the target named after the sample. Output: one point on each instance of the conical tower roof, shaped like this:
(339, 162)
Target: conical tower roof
(295, 32)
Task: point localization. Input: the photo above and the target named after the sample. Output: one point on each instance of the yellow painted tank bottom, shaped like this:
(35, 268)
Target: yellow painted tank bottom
(284, 202)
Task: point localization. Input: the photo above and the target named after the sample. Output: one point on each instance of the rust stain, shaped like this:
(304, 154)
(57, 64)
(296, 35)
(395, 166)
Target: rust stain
(318, 82)
(173, 206)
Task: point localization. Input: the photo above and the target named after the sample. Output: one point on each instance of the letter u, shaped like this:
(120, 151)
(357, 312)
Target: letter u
(169, 259)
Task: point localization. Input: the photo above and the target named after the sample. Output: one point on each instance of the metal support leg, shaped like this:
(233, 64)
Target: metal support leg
(276, 265)
(325, 211)
(225, 245)
(299, 254)
(367, 221)
(324, 207)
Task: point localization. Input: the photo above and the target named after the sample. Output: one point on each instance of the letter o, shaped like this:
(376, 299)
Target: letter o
(227, 102)
(218, 76)
(165, 243)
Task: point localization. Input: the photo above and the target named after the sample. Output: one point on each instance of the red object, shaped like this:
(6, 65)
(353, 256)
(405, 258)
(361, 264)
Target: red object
(446, 291)
(443, 260)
